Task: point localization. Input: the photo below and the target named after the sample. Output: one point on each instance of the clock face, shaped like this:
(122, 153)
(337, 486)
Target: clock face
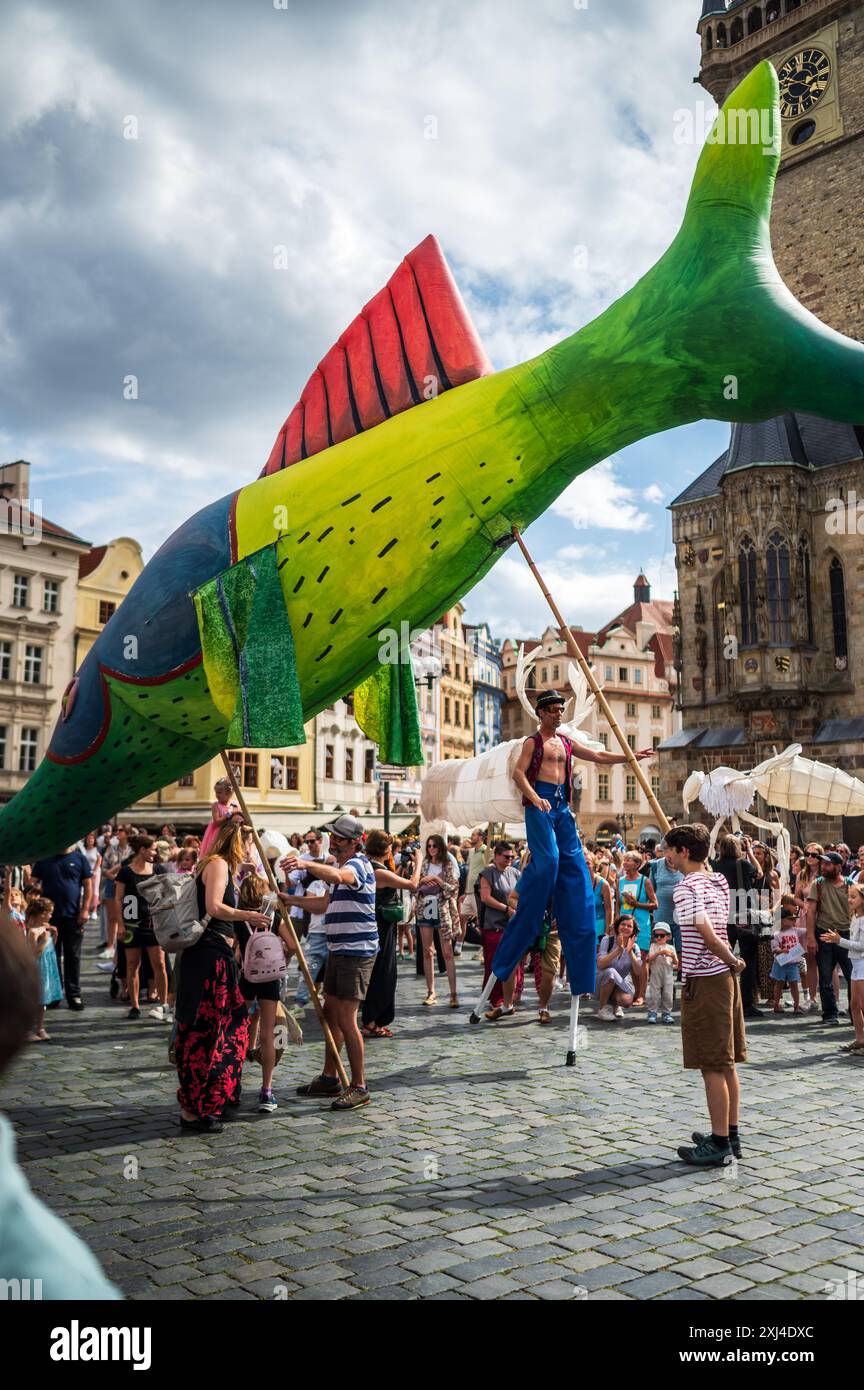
(804, 80)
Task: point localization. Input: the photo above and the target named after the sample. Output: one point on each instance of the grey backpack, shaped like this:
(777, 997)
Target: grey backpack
(173, 903)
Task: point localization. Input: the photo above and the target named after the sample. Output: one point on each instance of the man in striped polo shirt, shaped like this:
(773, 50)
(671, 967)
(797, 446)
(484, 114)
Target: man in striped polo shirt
(352, 941)
(712, 1018)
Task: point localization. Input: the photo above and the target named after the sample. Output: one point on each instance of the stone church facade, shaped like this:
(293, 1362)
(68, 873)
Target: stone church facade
(770, 606)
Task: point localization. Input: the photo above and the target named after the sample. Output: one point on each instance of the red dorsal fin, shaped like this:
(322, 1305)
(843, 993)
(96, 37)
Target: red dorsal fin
(413, 340)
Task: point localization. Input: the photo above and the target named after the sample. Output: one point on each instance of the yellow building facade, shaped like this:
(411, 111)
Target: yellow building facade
(105, 576)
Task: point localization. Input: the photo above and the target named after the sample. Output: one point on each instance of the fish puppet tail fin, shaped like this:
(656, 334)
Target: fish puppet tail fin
(715, 305)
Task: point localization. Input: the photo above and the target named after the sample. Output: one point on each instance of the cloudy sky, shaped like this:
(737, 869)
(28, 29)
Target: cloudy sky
(537, 141)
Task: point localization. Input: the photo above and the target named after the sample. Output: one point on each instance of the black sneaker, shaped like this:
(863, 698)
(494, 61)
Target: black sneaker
(134, 1013)
(832, 1021)
(734, 1144)
(706, 1155)
(752, 1012)
(76, 1005)
(321, 1086)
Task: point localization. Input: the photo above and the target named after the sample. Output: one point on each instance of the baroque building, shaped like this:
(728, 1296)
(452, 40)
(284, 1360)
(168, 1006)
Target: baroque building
(488, 690)
(38, 611)
(769, 609)
(456, 686)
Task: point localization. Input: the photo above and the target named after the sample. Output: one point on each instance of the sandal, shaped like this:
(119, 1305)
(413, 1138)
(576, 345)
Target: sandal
(454, 1001)
(369, 1030)
(545, 1016)
(383, 1033)
(431, 998)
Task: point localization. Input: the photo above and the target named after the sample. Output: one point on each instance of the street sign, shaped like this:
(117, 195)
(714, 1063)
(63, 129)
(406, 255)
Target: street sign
(390, 774)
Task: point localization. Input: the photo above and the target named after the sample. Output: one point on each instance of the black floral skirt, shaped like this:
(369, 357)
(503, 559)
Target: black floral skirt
(210, 1051)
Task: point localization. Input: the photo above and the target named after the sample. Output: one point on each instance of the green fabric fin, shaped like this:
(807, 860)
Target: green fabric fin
(249, 656)
(385, 707)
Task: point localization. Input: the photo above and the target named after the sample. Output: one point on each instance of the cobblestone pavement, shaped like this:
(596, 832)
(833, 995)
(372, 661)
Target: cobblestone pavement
(484, 1167)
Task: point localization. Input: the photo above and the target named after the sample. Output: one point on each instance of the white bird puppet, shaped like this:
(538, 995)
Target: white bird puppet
(462, 793)
(786, 781)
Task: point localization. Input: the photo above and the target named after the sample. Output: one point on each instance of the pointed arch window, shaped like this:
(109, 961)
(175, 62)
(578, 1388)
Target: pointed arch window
(779, 604)
(709, 38)
(721, 35)
(747, 589)
(721, 665)
(838, 613)
(737, 31)
(754, 20)
(804, 562)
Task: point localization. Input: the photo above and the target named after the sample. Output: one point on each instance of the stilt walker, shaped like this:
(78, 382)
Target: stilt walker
(557, 866)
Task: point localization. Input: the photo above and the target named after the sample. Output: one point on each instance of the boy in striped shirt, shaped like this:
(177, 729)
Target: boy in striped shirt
(352, 942)
(712, 1018)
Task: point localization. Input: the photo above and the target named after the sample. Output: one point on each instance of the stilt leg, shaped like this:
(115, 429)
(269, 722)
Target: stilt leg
(476, 1012)
(574, 1029)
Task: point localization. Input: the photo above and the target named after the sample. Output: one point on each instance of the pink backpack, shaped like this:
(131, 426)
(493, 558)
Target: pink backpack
(263, 959)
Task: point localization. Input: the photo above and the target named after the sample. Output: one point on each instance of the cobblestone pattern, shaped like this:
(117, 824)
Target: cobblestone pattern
(483, 1169)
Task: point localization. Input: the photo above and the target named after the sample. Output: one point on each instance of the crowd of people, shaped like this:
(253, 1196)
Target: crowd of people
(362, 902)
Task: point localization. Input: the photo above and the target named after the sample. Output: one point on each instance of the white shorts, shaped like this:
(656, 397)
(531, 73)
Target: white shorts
(858, 970)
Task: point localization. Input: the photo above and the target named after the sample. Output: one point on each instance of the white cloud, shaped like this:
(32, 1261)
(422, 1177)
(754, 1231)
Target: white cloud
(653, 493)
(306, 128)
(600, 500)
(589, 596)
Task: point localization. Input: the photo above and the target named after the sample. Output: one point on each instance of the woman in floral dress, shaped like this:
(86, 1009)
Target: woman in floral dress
(213, 1027)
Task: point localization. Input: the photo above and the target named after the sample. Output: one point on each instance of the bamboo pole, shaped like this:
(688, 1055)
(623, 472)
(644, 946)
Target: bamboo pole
(287, 919)
(576, 653)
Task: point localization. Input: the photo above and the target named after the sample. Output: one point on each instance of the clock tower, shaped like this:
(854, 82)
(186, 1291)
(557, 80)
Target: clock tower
(817, 47)
(769, 613)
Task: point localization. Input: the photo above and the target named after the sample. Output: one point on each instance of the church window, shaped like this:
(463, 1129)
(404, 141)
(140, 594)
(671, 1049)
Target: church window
(838, 612)
(754, 20)
(779, 609)
(709, 38)
(737, 31)
(721, 665)
(747, 586)
(721, 36)
(804, 562)
(772, 12)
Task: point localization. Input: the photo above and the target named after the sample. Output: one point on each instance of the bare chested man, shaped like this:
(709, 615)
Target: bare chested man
(557, 867)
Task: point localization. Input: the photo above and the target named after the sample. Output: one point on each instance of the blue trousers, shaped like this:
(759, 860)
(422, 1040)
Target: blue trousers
(556, 870)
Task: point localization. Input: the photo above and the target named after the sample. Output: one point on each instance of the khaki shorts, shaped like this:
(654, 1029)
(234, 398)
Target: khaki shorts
(347, 977)
(712, 1022)
(551, 958)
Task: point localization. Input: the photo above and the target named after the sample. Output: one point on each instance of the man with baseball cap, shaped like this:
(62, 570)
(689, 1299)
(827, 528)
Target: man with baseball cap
(352, 940)
(828, 911)
(556, 869)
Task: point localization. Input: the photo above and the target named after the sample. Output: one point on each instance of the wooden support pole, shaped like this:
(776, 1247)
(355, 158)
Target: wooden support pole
(576, 653)
(287, 919)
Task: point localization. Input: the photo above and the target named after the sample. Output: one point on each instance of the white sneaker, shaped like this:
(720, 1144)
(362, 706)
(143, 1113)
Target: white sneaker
(105, 964)
(606, 1014)
(619, 1012)
(107, 954)
(168, 1014)
(159, 1013)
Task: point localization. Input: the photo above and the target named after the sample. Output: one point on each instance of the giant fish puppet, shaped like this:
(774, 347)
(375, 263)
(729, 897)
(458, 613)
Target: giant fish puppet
(394, 484)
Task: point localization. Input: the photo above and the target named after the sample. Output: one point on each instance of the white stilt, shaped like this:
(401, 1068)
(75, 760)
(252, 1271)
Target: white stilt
(476, 1012)
(574, 1029)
